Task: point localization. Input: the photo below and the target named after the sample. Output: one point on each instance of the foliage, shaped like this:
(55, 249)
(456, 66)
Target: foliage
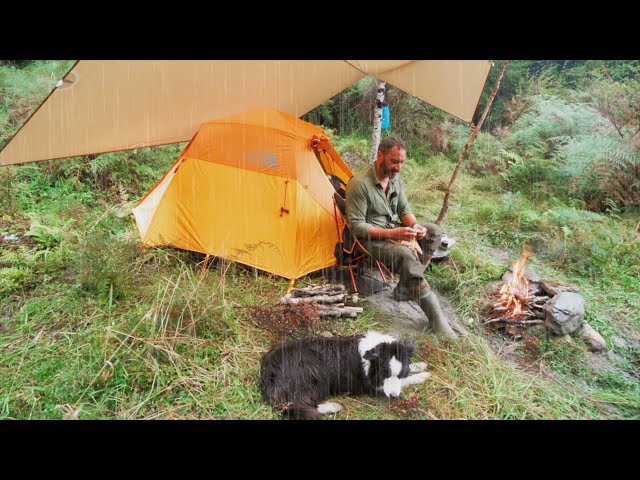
(23, 89)
(94, 325)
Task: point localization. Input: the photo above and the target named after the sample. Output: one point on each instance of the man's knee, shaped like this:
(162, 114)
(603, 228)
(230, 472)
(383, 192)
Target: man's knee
(433, 240)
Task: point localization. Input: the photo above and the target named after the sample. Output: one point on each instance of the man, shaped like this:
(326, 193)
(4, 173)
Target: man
(379, 214)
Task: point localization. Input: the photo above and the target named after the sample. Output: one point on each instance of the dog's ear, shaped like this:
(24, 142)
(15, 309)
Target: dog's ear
(409, 346)
(371, 354)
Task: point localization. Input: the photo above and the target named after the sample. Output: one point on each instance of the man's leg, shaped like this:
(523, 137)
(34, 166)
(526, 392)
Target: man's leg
(431, 307)
(412, 285)
(403, 262)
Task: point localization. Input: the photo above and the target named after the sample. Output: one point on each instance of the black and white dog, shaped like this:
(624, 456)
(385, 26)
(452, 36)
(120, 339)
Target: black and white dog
(296, 375)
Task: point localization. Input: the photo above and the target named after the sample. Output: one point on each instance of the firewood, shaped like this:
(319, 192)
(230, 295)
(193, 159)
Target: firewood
(500, 308)
(326, 311)
(514, 321)
(314, 290)
(317, 298)
(354, 309)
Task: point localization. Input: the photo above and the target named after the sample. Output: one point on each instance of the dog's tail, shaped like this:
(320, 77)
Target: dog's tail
(301, 412)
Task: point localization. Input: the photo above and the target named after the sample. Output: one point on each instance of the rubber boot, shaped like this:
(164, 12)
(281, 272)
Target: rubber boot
(401, 293)
(431, 306)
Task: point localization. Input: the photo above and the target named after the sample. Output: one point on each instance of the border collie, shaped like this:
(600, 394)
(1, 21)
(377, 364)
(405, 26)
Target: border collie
(296, 375)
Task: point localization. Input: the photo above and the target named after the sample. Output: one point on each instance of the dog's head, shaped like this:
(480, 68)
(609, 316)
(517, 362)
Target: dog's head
(387, 362)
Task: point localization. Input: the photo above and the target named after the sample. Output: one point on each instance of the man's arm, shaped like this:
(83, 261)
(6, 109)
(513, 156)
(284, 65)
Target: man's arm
(398, 233)
(356, 202)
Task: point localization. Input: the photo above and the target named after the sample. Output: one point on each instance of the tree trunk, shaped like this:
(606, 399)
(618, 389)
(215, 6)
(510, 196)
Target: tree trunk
(445, 203)
(377, 120)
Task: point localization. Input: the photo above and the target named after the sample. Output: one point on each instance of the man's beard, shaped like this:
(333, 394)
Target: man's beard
(387, 172)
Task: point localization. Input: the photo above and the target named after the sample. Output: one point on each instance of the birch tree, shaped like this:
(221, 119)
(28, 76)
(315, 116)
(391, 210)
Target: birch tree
(377, 119)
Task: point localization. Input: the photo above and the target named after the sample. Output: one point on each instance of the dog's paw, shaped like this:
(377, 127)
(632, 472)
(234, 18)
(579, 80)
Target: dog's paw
(415, 379)
(421, 377)
(329, 407)
(418, 367)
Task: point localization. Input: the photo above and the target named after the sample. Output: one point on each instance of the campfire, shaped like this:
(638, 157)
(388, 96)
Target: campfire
(519, 300)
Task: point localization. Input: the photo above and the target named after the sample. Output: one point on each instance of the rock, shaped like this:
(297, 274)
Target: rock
(593, 339)
(528, 274)
(563, 339)
(619, 342)
(553, 287)
(9, 237)
(564, 313)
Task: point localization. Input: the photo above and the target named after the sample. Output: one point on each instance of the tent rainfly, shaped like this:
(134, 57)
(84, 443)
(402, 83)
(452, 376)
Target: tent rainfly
(252, 188)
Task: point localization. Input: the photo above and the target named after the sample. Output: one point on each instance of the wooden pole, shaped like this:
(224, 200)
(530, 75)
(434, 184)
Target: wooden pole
(445, 203)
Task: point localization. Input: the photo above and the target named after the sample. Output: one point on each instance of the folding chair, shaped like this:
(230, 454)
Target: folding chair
(349, 251)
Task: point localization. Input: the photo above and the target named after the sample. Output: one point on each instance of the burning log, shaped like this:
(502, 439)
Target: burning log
(513, 321)
(520, 301)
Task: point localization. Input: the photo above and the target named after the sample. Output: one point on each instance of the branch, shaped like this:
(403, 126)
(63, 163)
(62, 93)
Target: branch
(445, 203)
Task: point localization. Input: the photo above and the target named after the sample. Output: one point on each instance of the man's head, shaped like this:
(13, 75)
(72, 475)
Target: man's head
(391, 156)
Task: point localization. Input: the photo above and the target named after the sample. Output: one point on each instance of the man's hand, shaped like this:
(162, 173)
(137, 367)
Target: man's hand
(404, 233)
(421, 231)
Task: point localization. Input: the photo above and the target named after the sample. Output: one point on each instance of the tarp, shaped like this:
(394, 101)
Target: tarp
(110, 105)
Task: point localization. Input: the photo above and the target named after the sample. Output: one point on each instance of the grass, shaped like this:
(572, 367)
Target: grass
(166, 339)
(94, 326)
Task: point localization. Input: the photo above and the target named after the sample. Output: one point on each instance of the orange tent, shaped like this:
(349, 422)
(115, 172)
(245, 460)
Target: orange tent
(252, 188)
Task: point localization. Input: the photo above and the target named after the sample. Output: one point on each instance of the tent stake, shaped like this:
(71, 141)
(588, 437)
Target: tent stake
(205, 264)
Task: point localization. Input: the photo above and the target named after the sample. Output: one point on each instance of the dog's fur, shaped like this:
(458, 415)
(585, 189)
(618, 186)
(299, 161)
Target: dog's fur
(296, 375)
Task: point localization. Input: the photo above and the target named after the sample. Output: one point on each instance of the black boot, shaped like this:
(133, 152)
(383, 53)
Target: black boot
(431, 306)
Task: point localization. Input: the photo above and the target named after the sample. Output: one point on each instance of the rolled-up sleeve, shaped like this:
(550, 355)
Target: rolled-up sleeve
(356, 201)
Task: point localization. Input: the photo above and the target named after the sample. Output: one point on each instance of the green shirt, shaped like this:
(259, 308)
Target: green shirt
(369, 206)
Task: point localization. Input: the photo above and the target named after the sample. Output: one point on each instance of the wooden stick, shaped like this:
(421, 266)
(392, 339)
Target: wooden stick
(513, 321)
(318, 299)
(445, 203)
(317, 290)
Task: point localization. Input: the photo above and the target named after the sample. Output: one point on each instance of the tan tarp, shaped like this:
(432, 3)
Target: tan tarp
(103, 106)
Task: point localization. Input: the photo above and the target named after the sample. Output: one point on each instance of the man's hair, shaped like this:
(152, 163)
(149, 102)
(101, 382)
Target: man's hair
(389, 142)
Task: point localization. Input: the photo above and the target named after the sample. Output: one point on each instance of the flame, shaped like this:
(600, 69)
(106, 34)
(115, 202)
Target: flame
(516, 289)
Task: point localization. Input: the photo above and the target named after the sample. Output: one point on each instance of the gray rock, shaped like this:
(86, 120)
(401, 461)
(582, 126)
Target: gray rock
(9, 237)
(528, 274)
(564, 313)
(552, 287)
(593, 339)
(562, 339)
(619, 342)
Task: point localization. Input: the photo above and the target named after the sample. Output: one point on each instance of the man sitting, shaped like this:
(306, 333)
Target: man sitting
(379, 214)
